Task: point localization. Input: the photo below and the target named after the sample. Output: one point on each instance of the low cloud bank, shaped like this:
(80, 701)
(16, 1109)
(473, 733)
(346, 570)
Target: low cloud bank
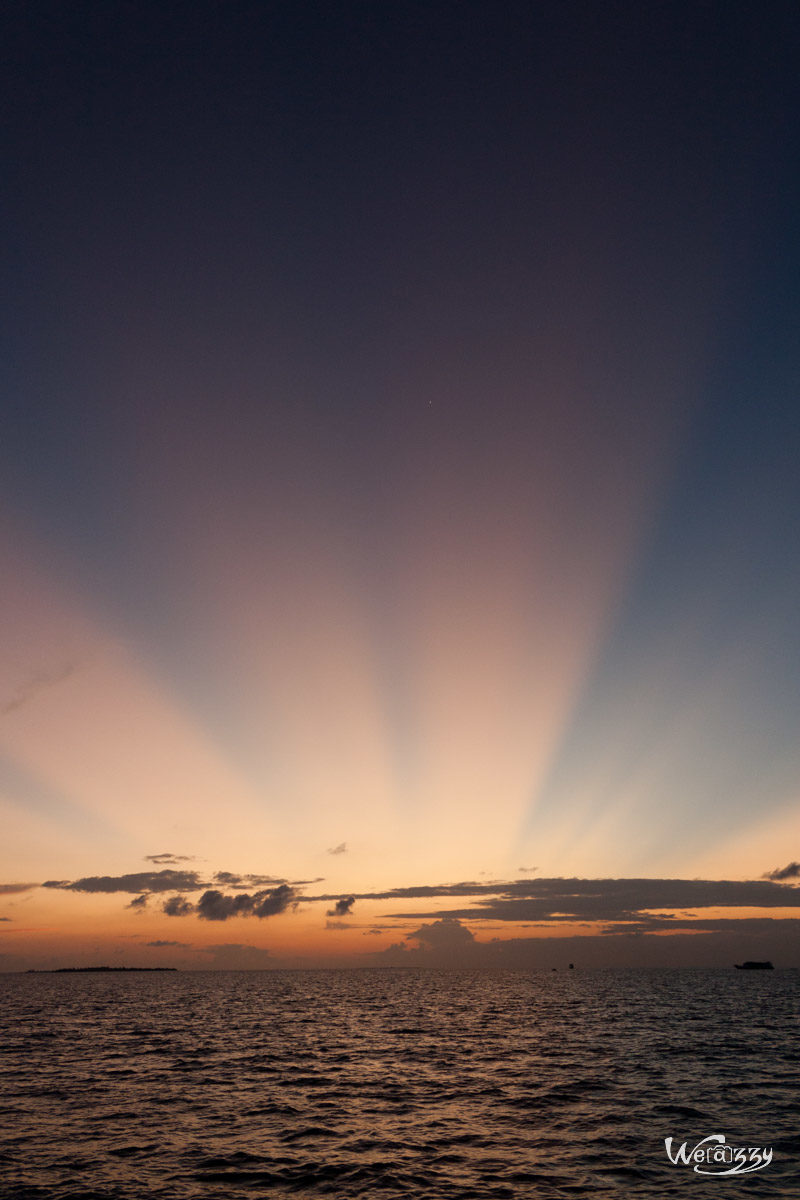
(593, 900)
(603, 906)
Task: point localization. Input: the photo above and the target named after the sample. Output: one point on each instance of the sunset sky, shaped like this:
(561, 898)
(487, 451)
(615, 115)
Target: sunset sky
(399, 486)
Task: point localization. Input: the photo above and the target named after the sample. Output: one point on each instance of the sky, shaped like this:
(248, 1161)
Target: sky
(399, 503)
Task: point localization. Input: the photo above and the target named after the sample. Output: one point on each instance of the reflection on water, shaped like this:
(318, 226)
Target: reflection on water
(400, 1084)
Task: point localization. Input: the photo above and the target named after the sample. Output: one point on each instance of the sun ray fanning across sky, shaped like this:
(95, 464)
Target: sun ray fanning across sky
(399, 478)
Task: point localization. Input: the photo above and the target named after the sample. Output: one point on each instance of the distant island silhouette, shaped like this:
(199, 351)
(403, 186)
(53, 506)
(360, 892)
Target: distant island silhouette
(90, 970)
(754, 966)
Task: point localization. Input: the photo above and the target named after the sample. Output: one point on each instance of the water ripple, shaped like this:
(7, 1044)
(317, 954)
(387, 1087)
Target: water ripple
(401, 1085)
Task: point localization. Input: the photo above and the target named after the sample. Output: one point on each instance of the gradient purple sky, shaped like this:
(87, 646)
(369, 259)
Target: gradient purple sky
(399, 453)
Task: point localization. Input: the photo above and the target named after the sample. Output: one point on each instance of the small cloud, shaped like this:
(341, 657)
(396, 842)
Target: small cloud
(445, 934)
(342, 907)
(526, 870)
(5, 918)
(176, 945)
(31, 687)
(139, 903)
(337, 925)
(177, 906)
(372, 932)
(232, 880)
(791, 871)
(234, 956)
(340, 849)
(168, 860)
(140, 881)
(275, 901)
(227, 878)
(216, 906)
(13, 889)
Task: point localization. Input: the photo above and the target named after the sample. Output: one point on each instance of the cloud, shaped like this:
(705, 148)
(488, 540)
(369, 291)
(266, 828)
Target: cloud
(36, 683)
(526, 870)
(139, 902)
(572, 900)
(342, 907)
(233, 956)
(447, 933)
(791, 871)
(230, 879)
(168, 860)
(13, 889)
(177, 906)
(177, 945)
(140, 881)
(337, 925)
(340, 849)
(5, 918)
(216, 906)
(445, 942)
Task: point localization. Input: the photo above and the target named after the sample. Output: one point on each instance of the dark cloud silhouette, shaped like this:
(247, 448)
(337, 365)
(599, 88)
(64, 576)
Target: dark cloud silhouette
(337, 925)
(791, 871)
(168, 860)
(140, 881)
(446, 933)
(634, 906)
(235, 956)
(227, 878)
(445, 942)
(216, 906)
(537, 900)
(175, 945)
(340, 849)
(14, 889)
(5, 918)
(277, 900)
(419, 892)
(232, 880)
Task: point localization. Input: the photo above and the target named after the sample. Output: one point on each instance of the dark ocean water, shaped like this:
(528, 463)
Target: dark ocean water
(394, 1084)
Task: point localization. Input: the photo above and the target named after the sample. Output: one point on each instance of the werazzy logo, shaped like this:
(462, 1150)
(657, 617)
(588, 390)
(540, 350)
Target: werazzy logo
(712, 1156)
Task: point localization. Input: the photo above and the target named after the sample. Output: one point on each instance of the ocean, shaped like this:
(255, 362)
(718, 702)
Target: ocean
(420, 1085)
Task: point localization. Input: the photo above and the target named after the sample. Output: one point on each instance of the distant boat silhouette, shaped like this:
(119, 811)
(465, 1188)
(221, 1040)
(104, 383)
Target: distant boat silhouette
(754, 966)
